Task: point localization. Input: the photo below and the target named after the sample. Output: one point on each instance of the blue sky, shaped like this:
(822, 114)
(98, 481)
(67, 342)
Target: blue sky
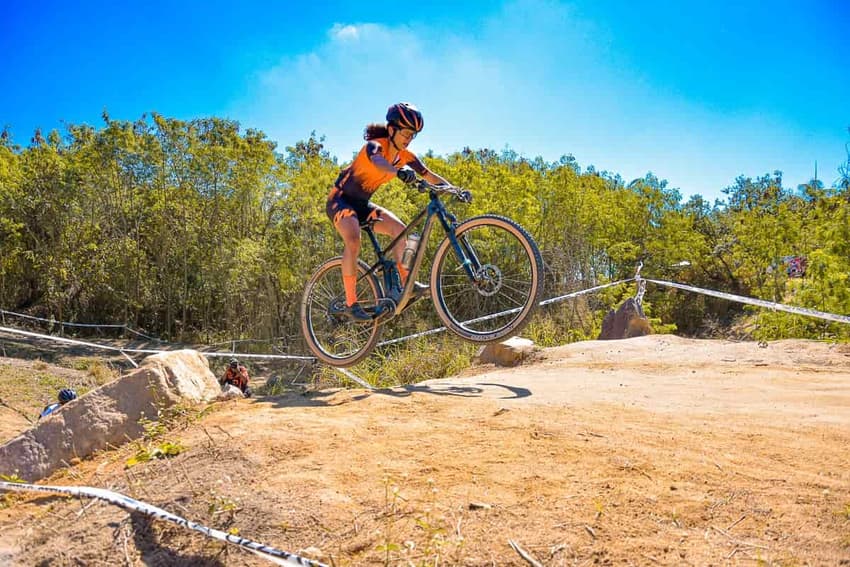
(695, 92)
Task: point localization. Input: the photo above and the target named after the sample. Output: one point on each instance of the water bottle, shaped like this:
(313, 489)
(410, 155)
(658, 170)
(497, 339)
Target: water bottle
(410, 247)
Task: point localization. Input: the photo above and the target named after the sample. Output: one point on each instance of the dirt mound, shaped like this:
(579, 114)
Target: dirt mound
(109, 415)
(655, 450)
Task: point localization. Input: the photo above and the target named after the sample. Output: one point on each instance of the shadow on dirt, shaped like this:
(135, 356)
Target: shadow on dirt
(303, 400)
(468, 391)
(156, 555)
(328, 398)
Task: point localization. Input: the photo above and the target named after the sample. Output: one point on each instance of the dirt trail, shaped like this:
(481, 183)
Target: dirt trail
(652, 451)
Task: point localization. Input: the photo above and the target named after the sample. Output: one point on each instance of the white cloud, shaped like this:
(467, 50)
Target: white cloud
(360, 69)
(344, 32)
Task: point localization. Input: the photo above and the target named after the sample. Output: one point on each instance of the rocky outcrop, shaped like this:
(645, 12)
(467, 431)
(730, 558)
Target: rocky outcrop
(109, 416)
(510, 352)
(628, 321)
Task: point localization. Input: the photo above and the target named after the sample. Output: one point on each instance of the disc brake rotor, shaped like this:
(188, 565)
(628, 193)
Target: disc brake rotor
(489, 279)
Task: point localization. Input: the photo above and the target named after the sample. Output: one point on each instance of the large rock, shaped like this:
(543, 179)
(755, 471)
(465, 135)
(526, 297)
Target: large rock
(628, 321)
(187, 373)
(506, 353)
(109, 415)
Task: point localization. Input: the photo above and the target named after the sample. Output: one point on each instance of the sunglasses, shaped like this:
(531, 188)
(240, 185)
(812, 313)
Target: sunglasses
(407, 133)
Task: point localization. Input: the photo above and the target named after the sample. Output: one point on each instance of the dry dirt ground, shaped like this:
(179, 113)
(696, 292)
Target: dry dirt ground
(651, 451)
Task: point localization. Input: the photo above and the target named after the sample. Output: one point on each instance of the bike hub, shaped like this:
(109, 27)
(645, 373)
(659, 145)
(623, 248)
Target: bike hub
(488, 280)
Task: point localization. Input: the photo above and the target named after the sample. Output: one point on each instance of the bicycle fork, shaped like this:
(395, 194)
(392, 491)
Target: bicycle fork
(464, 252)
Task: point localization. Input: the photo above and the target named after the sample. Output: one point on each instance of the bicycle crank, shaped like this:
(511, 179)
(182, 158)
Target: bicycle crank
(384, 310)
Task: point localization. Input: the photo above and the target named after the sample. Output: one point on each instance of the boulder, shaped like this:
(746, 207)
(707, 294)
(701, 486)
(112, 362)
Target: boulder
(109, 416)
(506, 353)
(187, 373)
(628, 321)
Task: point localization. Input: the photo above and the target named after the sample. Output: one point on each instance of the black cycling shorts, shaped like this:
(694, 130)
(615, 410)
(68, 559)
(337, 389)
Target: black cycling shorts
(340, 206)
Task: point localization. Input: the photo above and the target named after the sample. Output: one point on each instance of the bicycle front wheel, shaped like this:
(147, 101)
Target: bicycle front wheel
(332, 338)
(504, 289)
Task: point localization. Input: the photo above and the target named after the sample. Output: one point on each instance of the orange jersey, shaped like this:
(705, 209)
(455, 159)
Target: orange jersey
(362, 177)
(238, 378)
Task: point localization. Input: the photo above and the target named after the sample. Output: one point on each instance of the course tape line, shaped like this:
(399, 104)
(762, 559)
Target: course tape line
(723, 295)
(146, 351)
(355, 377)
(268, 553)
(759, 302)
(63, 323)
(582, 292)
(503, 313)
(86, 325)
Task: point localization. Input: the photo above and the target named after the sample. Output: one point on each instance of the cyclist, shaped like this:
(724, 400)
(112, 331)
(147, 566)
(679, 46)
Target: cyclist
(65, 396)
(384, 157)
(237, 375)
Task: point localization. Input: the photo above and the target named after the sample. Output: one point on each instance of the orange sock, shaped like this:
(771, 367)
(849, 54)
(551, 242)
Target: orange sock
(403, 272)
(350, 283)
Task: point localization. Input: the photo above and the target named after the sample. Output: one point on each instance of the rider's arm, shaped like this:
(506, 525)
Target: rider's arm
(427, 174)
(373, 150)
(434, 179)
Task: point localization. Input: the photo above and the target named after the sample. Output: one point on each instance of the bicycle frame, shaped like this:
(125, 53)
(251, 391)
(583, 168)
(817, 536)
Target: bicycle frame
(435, 209)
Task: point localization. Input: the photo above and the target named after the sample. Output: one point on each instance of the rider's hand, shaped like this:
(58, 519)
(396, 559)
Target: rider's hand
(406, 174)
(465, 196)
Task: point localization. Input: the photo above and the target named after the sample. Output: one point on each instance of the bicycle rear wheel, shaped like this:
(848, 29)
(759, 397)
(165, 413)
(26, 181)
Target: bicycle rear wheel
(333, 339)
(508, 280)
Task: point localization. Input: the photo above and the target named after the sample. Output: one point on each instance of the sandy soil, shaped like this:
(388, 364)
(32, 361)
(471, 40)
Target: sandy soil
(651, 451)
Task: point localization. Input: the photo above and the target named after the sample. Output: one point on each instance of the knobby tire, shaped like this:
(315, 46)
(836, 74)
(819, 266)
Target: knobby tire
(512, 270)
(335, 341)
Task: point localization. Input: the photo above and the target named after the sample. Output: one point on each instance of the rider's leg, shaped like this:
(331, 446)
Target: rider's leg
(391, 226)
(345, 218)
(349, 229)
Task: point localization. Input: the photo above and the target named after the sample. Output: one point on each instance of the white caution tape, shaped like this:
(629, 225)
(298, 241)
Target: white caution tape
(74, 341)
(267, 552)
(126, 327)
(63, 323)
(503, 313)
(582, 292)
(410, 337)
(351, 375)
(274, 356)
(760, 302)
(641, 283)
(147, 351)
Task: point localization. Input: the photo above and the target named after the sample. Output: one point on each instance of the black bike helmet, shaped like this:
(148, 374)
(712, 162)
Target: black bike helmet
(234, 363)
(66, 395)
(405, 115)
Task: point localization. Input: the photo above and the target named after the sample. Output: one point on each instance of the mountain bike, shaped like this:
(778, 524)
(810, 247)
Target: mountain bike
(486, 279)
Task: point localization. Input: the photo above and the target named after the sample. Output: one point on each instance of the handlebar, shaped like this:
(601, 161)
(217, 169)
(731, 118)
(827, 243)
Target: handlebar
(459, 193)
